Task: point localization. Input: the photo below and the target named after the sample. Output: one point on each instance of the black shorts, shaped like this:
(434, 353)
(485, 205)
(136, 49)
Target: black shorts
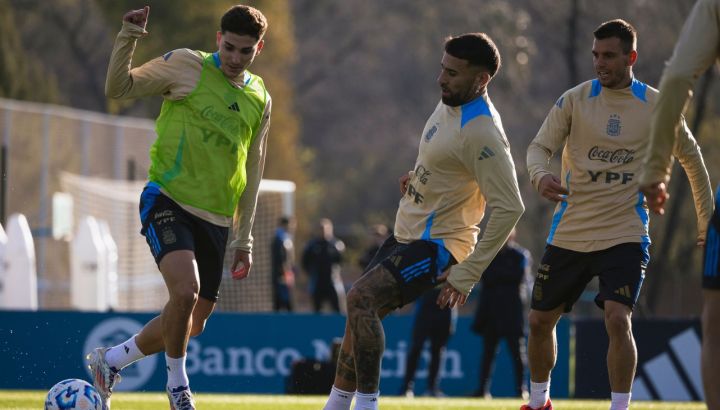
(415, 265)
(711, 275)
(563, 275)
(167, 227)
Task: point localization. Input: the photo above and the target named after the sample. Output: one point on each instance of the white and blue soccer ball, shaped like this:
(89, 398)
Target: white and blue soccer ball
(73, 394)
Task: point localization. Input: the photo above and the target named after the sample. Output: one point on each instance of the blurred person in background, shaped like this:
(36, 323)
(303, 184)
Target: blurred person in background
(501, 311)
(378, 234)
(206, 166)
(321, 260)
(282, 256)
(463, 164)
(600, 225)
(436, 324)
(696, 50)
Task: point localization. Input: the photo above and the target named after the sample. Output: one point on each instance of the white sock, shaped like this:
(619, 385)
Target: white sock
(339, 399)
(176, 372)
(366, 401)
(124, 354)
(620, 401)
(539, 394)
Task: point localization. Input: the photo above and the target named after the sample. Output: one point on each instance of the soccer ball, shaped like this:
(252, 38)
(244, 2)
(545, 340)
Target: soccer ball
(73, 394)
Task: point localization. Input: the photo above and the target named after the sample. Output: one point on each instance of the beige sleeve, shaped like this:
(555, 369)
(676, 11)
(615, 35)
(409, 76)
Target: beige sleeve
(172, 75)
(695, 51)
(497, 181)
(550, 138)
(245, 211)
(687, 151)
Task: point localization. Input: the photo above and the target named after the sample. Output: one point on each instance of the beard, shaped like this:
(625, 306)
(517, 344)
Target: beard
(453, 100)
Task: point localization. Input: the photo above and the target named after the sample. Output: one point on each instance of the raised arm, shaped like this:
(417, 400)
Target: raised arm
(156, 77)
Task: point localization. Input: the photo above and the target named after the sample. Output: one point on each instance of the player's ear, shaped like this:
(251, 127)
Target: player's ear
(633, 55)
(482, 78)
(260, 46)
(218, 39)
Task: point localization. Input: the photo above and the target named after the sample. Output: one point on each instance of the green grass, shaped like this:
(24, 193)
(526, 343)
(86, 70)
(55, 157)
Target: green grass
(33, 400)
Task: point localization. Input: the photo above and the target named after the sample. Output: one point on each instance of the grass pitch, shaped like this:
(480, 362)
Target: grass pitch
(33, 400)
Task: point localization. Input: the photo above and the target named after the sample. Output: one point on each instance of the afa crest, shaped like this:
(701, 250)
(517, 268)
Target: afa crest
(431, 132)
(614, 126)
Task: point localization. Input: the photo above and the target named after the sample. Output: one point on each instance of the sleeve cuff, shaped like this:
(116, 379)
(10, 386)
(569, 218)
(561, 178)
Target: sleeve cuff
(133, 30)
(241, 244)
(459, 279)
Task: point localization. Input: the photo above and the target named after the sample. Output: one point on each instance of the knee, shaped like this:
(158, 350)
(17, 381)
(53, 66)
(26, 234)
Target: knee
(184, 296)
(358, 300)
(617, 324)
(354, 299)
(541, 323)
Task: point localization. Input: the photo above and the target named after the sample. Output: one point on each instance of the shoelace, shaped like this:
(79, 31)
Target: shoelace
(113, 378)
(183, 400)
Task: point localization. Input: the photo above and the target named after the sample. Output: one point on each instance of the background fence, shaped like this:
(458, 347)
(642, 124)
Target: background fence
(101, 161)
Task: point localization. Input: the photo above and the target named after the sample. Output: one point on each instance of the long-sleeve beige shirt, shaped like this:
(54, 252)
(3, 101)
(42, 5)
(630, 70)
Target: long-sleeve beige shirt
(603, 134)
(463, 164)
(697, 48)
(173, 76)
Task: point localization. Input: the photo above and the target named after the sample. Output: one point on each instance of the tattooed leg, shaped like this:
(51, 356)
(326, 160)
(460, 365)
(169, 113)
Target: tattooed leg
(345, 378)
(369, 300)
(345, 371)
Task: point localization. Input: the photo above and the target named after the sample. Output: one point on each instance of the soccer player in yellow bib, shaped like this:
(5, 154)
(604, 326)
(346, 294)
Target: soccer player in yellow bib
(697, 49)
(206, 167)
(600, 225)
(463, 164)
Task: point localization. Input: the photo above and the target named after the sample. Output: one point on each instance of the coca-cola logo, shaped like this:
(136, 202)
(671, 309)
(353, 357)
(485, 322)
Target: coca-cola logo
(618, 156)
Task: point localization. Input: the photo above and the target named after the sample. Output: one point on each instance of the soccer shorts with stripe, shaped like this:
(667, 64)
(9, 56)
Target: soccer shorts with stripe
(167, 227)
(415, 265)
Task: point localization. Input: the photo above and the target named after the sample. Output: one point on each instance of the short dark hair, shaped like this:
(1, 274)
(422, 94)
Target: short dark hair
(621, 29)
(244, 20)
(477, 48)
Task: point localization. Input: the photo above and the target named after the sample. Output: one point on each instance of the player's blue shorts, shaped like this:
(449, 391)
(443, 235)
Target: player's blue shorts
(563, 275)
(167, 227)
(415, 265)
(711, 275)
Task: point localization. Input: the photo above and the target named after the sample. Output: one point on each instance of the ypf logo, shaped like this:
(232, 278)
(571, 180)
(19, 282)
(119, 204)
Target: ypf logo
(112, 332)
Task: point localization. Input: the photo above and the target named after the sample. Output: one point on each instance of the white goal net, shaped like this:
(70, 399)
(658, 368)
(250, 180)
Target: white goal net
(140, 285)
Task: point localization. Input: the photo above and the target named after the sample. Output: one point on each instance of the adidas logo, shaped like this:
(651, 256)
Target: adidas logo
(234, 107)
(673, 375)
(396, 260)
(127, 349)
(486, 153)
(623, 291)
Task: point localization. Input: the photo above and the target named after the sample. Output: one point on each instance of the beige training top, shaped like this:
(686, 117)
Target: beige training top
(604, 136)
(463, 163)
(696, 50)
